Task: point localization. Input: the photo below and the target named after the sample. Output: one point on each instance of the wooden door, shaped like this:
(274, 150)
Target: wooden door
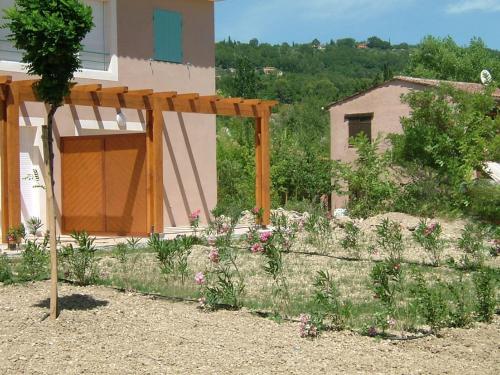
(104, 184)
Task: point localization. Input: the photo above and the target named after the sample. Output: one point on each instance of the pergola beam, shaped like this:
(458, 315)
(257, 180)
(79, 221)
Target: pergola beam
(13, 93)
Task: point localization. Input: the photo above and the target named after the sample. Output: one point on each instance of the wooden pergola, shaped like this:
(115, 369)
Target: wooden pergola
(13, 93)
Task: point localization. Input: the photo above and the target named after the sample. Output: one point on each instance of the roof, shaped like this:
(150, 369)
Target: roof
(465, 86)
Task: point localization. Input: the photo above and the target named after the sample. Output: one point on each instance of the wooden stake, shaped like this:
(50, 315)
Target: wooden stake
(50, 199)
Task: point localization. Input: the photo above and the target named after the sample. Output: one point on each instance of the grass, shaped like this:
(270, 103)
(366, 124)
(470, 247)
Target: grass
(141, 272)
(351, 276)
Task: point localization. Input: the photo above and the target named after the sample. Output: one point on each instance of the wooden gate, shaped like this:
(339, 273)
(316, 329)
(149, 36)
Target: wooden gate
(104, 185)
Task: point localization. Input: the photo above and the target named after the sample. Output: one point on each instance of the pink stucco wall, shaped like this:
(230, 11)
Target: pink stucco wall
(385, 104)
(190, 175)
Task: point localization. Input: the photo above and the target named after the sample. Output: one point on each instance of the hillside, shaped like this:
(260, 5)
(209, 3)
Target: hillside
(329, 71)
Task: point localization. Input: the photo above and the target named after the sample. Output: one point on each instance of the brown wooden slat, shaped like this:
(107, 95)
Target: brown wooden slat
(126, 184)
(86, 88)
(82, 181)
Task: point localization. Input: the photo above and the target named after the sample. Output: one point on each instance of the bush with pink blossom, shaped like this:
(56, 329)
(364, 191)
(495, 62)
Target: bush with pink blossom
(428, 235)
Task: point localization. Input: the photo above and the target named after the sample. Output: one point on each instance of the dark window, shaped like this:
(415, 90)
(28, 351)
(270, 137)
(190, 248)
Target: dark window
(359, 124)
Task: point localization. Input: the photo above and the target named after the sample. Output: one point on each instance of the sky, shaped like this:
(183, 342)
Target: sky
(277, 21)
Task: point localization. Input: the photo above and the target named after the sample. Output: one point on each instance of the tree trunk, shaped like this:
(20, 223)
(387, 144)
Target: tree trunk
(48, 152)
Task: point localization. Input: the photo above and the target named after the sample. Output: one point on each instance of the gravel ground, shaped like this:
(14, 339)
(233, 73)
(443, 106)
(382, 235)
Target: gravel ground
(101, 331)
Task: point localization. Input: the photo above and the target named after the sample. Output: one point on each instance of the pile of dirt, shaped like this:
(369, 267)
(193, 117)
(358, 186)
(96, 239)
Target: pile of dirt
(106, 332)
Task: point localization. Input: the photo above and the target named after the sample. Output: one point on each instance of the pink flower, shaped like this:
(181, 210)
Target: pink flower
(257, 248)
(195, 215)
(306, 328)
(429, 229)
(264, 237)
(304, 318)
(256, 211)
(199, 278)
(202, 301)
(225, 227)
(214, 255)
(212, 240)
(391, 322)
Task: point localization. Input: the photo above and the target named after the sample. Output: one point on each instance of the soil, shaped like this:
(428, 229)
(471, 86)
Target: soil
(102, 331)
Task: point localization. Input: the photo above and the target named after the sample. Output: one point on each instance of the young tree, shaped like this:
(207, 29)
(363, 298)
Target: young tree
(49, 33)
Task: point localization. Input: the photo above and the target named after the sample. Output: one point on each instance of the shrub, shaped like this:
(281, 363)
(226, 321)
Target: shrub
(369, 187)
(284, 230)
(459, 313)
(484, 201)
(428, 235)
(352, 241)
(386, 283)
(485, 285)
(471, 242)
(173, 254)
(5, 269)
(34, 262)
(430, 303)
(328, 308)
(79, 262)
(222, 284)
(266, 244)
(34, 224)
(390, 240)
(319, 232)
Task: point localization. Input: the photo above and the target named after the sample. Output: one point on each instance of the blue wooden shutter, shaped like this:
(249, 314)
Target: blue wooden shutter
(168, 36)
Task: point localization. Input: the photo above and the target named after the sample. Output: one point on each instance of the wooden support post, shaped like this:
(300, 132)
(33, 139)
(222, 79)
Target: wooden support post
(157, 165)
(13, 175)
(266, 169)
(263, 165)
(150, 170)
(258, 164)
(3, 172)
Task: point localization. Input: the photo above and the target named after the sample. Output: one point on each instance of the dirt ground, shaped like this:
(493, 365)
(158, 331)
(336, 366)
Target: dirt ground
(102, 331)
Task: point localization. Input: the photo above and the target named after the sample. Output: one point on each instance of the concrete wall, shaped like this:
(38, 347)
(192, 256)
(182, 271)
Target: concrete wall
(190, 175)
(385, 104)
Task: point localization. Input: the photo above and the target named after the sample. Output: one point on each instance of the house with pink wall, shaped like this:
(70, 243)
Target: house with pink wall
(164, 45)
(377, 112)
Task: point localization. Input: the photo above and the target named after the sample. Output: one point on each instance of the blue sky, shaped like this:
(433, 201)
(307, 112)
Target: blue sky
(277, 21)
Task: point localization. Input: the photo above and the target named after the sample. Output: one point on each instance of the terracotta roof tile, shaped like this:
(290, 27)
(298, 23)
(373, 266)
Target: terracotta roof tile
(465, 86)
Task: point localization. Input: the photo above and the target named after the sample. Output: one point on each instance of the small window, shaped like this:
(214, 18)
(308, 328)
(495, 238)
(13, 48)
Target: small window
(359, 124)
(168, 36)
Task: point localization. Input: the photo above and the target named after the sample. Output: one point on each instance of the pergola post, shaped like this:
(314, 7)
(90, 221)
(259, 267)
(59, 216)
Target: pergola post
(3, 170)
(263, 167)
(154, 129)
(13, 172)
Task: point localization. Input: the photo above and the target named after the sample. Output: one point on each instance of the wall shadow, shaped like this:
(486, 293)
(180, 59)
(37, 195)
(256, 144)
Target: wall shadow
(194, 167)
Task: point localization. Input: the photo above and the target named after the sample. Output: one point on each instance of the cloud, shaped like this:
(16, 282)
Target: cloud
(465, 6)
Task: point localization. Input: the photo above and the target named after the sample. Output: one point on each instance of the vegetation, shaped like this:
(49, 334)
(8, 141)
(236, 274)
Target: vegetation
(437, 177)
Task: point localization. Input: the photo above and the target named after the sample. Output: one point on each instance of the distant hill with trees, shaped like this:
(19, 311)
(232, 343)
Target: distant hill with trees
(327, 71)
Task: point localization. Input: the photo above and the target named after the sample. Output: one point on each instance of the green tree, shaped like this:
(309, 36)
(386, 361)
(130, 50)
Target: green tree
(245, 82)
(450, 132)
(49, 33)
(376, 42)
(444, 59)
